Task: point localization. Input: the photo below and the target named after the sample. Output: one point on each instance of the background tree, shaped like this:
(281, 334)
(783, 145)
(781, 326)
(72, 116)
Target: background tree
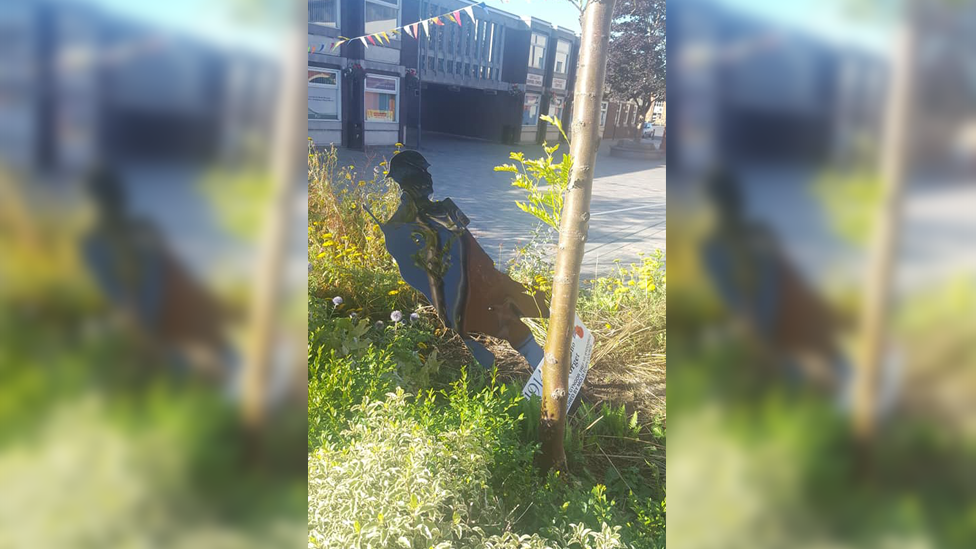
(637, 64)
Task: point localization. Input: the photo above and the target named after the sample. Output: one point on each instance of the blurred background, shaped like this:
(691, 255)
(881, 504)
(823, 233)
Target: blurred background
(152, 274)
(822, 198)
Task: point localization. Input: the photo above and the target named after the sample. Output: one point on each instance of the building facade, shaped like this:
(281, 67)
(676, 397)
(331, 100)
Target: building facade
(86, 85)
(491, 78)
(618, 120)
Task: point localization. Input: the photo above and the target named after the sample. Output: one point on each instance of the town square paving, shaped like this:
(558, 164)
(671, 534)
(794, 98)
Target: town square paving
(628, 209)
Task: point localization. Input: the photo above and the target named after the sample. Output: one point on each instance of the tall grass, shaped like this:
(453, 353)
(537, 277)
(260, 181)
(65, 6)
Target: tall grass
(345, 245)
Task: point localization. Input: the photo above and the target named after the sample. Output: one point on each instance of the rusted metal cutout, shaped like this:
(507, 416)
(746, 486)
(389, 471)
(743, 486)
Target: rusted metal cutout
(437, 255)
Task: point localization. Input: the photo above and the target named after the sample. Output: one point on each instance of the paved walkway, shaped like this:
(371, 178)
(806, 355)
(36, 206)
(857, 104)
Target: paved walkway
(936, 237)
(628, 208)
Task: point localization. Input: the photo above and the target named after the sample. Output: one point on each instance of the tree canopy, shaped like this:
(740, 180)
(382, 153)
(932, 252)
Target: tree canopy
(637, 65)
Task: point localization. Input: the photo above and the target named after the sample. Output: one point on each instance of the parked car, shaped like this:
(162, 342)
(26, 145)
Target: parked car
(649, 130)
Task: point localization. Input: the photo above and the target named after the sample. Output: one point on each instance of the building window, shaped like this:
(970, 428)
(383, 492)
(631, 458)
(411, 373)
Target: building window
(603, 113)
(530, 111)
(562, 57)
(380, 98)
(323, 94)
(382, 15)
(537, 51)
(324, 12)
(633, 115)
(616, 115)
(556, 108)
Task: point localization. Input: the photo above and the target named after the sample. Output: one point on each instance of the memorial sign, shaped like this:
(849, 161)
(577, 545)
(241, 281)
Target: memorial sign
(581, 349)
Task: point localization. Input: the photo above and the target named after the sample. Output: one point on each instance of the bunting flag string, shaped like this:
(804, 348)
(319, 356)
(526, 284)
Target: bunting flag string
(410, 29)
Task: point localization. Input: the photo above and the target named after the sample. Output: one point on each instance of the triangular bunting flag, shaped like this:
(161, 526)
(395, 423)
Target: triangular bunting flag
(407, 30)
(438, 22)
(425, 23)
(363, 40)
(337, 44)
(470, 11)
(457, 16)
(371, 39)
(387, 37)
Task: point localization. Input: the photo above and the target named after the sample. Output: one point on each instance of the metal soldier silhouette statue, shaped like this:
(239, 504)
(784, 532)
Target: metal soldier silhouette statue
(437, 255)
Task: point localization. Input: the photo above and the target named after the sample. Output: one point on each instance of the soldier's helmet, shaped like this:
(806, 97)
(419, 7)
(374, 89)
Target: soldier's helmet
(406, 166)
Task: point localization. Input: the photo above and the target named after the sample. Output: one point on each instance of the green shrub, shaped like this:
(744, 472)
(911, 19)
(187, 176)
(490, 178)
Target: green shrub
(404, 482)
(346, 250)
(544, 181)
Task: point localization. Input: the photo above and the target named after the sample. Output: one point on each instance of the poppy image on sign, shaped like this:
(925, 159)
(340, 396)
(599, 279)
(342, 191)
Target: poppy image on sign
(438, 255)
(579, 332)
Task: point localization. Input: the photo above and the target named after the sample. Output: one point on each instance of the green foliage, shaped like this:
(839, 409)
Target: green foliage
(453, 466)
(243, 215)
(851, 201)
(346, 249)
(627, 313)
(409, 481)
(544, 181)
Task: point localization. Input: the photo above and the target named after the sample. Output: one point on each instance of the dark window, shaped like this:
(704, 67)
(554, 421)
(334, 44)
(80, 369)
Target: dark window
(323, 12)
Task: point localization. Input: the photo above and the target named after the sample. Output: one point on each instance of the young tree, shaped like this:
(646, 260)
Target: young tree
(591, 73)
(637, 63)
